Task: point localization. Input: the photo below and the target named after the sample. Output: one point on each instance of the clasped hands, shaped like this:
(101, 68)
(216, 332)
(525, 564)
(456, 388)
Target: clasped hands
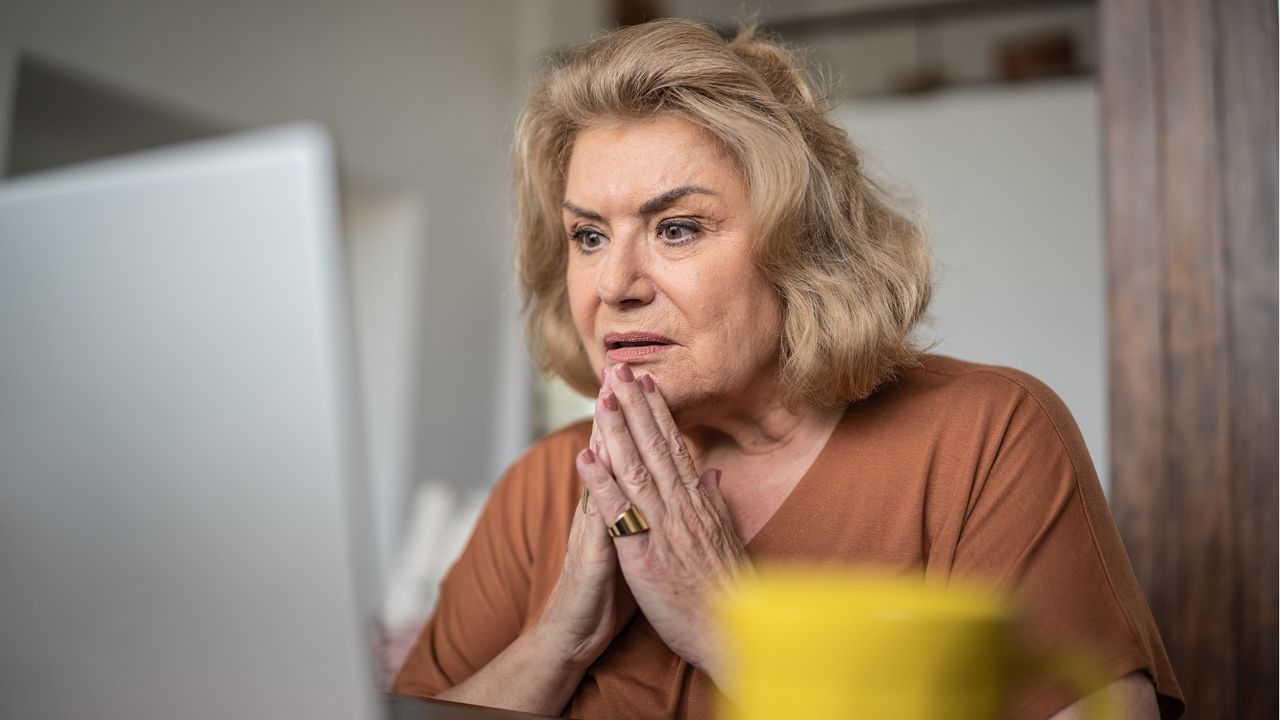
(638, 458)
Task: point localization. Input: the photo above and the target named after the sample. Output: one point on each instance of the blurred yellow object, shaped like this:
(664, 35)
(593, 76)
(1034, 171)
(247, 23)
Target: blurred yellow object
(818, 645)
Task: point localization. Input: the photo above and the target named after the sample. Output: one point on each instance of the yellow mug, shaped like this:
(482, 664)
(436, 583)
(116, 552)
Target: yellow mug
(827, 645)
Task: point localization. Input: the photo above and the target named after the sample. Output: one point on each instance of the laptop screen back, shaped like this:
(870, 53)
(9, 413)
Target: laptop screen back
(180, 531)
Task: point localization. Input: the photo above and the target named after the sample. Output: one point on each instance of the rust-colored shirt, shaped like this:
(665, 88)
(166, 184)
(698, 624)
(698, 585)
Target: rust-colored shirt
(954, 470)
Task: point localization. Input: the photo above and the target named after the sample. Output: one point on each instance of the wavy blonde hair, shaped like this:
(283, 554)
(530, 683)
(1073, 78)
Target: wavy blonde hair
(850, 267)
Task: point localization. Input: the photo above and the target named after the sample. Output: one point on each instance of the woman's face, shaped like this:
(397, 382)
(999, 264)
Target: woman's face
(660, 273)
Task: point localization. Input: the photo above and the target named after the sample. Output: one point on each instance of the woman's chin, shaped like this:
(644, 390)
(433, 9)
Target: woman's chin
(685, 406)
(675, 395)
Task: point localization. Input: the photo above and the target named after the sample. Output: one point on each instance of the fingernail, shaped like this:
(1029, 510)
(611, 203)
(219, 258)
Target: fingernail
(587, 456)
(646, 382)
(611, 401)
(715, 476)
(624, 373)
(603, 370)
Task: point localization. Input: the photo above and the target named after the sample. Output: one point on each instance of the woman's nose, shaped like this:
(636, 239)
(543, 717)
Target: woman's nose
(624, 277)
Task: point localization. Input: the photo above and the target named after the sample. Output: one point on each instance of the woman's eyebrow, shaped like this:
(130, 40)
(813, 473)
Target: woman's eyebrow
(671, 197)
(650, 206)
(582, 212)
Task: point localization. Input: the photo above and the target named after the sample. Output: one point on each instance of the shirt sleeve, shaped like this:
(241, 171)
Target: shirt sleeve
(1037, 525)
(483, 600)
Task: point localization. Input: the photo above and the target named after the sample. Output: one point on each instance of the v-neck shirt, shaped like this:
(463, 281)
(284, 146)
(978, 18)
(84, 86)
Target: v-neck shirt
(953, 470)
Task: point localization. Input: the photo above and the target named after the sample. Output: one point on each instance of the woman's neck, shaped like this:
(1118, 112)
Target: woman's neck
(775, 431)
(762, 456)
(758, 429)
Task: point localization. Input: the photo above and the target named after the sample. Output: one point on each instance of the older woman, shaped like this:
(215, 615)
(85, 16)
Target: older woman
(700, 249)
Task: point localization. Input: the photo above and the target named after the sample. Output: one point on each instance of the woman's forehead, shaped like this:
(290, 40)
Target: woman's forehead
(637, 160)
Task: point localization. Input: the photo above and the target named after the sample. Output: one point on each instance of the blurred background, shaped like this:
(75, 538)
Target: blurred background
(983, 113)
(998, 118)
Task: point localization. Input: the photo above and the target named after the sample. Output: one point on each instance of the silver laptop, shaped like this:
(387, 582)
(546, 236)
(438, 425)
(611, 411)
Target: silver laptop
(183, 527)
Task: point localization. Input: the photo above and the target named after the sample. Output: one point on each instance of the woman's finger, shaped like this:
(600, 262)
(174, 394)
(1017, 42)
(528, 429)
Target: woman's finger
(602, 452)
(646, 436)
(606, 497)
(628, 468)
(662, 417)
(595, 443)
(584, 533)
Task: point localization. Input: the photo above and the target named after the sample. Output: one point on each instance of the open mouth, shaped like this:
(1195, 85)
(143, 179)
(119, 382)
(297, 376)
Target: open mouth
(631, 344)
(622, 341)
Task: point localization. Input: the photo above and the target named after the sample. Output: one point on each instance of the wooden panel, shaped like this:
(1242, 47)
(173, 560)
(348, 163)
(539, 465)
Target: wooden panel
(1135, 318)
(1247, 62)
(1196, 427)
(1189, 102)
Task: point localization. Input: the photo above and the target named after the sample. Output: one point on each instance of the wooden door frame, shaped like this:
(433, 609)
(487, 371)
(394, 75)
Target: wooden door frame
(1189, 125)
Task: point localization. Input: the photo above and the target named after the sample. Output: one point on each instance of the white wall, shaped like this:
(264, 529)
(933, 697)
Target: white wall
(1010, 179)
(386, 261)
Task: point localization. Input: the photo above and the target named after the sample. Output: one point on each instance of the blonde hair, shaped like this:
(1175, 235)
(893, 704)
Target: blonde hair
(851, 270)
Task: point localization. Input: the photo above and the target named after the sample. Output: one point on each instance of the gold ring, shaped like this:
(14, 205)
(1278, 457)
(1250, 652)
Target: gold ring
(630, 522)
(585, 494)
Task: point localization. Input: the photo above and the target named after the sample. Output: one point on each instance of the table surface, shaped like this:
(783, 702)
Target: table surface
(400, 707)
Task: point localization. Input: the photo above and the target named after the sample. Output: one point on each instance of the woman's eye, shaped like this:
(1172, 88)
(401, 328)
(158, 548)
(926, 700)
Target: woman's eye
(587, 239)
(674, 233)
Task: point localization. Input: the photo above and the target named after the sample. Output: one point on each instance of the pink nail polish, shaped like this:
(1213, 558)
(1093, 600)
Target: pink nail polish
(624, 373)
(646, 383)
(587, 456)
(715, 473)
(611, 402)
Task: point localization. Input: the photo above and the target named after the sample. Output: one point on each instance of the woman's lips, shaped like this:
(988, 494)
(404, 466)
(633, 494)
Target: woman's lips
(635, 346)
(635, 353)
